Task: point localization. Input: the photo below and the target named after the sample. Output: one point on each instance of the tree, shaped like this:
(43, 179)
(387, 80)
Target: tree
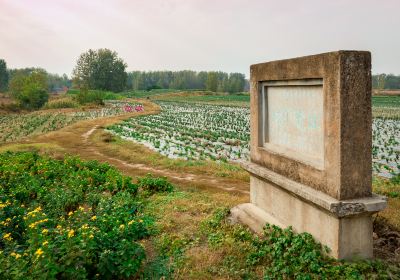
(212, 82)
(4, 77)
(30, 90)
(100, 69)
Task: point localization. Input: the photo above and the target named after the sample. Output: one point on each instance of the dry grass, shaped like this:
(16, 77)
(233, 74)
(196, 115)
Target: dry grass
(180, 217)
(392, 213)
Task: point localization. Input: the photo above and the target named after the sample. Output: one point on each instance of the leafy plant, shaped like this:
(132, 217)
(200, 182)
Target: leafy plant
(152, 184)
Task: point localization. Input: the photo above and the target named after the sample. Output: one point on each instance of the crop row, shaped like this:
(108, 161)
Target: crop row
(17, 126)
(192, 131)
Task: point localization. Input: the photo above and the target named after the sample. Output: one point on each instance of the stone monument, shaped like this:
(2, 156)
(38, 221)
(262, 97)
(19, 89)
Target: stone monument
(310, 150)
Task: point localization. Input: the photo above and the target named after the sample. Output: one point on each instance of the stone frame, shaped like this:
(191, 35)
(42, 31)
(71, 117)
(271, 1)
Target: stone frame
(346, 77)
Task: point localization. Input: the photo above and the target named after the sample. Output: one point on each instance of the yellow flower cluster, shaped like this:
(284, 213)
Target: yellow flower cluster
(34, 224)
(131, 222)
(71, 233)
(2, 205)
(16, 255)
(39, 252)
(85, 226)
(37, 210)
(6, 222)
(7, 236)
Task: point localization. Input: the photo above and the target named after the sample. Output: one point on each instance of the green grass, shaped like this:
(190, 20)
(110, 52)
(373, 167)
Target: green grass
(229, 99)
(151, 93)
(94, 95)
(386, 101)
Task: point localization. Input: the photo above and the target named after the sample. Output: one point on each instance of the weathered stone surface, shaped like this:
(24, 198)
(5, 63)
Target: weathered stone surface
(346, 77)
(338, 208)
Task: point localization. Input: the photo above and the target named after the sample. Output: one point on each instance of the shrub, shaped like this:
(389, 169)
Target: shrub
(92, 96)
(84, 96)
(152, 184)
(65, 102)
(30, 90)
(62, 218)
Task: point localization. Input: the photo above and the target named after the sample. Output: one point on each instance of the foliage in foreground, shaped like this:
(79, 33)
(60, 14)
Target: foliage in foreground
(62, 218)
(283, 254)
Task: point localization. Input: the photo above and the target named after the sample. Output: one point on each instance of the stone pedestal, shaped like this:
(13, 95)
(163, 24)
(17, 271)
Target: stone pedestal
(310, 150)
(345, 226)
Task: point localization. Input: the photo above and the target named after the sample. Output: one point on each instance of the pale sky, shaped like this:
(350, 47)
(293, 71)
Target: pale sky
(226, 35)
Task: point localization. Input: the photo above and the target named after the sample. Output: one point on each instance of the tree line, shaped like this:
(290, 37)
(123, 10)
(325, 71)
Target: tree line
(54, 82)
(187, 79)
(385, 81)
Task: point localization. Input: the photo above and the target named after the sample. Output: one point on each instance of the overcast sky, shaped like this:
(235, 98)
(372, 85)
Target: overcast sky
(226, 35)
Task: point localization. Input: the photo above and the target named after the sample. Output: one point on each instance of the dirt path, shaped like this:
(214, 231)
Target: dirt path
(76, 139)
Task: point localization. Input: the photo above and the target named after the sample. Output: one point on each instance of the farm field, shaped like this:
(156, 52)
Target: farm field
(14, 127)
(194, 131)
(238, 99)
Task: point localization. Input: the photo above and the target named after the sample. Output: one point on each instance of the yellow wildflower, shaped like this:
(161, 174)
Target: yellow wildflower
(58, 227)
(81, 208)
(7, 236)
(91, 236)
(45, 243)
(140, 221)
(45, 231)
(71, 233)
(39, 252)
(121, 227)
(93, 218)
(130, 222)
(15, 255)
(70, 213)
(85, 226)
